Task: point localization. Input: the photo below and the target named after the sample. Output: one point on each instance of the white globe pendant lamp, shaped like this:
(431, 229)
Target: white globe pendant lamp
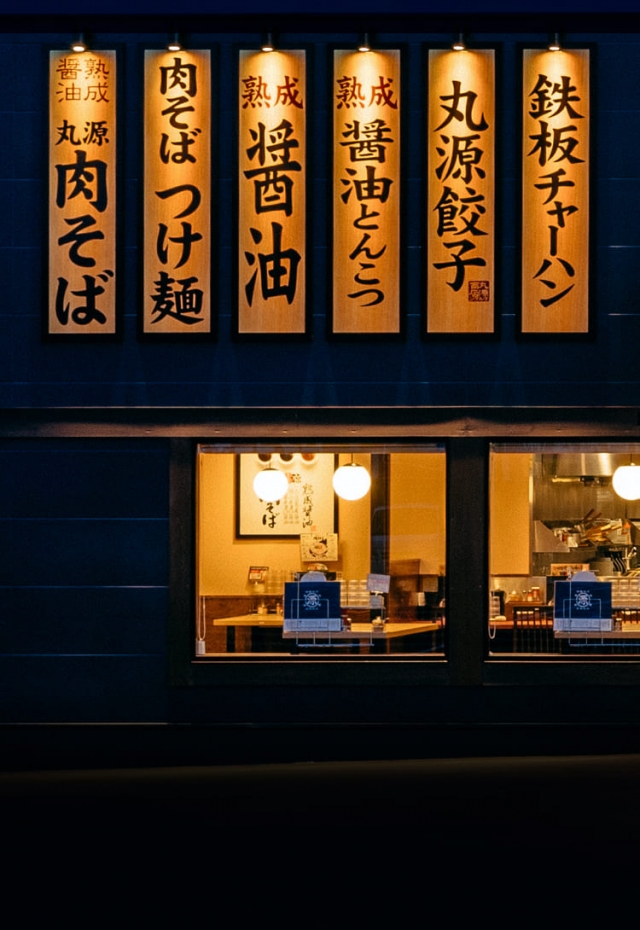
(626, 482)
(351, 482)
(270, 484)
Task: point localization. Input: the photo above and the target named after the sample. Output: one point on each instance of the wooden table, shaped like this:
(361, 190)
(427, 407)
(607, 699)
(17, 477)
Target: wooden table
(250, 620)
(362, 634)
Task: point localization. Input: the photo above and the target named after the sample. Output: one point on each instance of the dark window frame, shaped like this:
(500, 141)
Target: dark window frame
(467, 662)
(186, 669)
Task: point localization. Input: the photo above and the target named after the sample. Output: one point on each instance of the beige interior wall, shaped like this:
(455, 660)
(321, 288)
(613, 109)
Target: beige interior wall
(418, 503)
(417, 522)
(354, 529)
(223, 560)
(510, 514)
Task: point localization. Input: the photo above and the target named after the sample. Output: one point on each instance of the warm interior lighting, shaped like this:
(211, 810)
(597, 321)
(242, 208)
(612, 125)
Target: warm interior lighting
(267, 43)
(364, 45)
(270, 484)
(554, 44)
(351, 482)
(174, 44)
(459, 44)
(626, 482)
(79, 44)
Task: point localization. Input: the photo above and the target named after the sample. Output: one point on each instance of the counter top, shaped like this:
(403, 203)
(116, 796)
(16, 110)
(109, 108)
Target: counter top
(368, 631)
(597, 634)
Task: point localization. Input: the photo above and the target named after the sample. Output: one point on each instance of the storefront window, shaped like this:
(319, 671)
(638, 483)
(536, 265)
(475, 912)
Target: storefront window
(376, 556)
(564, 550)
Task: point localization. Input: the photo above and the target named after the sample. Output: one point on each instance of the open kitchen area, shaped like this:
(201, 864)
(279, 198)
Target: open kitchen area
(558, 513)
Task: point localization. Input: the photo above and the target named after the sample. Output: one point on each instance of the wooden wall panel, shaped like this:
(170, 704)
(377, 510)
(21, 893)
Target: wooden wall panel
(82, 194)
(272, 260)
(555, 192)
(366, 192)
(176, 291)
(461, 192)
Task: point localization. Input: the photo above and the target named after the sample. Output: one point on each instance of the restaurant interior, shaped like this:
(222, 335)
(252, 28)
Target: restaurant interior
(556, 512)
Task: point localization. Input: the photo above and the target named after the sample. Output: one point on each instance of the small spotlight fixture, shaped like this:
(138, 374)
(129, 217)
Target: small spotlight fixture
(174, 44)
(459, 43)
(554, 44)
(267, 43)
(79, 44)
(364, 45)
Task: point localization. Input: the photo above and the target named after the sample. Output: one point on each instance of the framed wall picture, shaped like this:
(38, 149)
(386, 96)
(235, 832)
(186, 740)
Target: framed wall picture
(308, 505)
(314, 546)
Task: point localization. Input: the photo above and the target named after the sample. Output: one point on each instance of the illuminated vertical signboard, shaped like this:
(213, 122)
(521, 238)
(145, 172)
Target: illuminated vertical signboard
(176, 291)
(82, 194)
(272, 259)
(366, 192)
(555, 192)
(461, 192)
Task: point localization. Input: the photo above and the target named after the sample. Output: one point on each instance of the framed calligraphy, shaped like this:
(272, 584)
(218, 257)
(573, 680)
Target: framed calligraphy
(461, 275)
(82, 273)
(366, 247)
(176, 285)
(272, 194)
(556, 266)
(308, 506)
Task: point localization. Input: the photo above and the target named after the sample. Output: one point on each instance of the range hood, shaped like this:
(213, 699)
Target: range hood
(583, 464)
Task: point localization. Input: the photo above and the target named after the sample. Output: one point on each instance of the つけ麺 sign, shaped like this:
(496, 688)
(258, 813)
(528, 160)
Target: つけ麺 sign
(176, 297)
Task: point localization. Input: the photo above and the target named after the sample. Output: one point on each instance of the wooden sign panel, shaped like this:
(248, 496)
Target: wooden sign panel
(176, 290)
(555, 192)
(272, 259)
(461, 192)
(82, 194)
(366, 192)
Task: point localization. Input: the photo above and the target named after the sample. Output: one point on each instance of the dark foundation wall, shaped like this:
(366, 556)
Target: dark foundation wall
(84, 559)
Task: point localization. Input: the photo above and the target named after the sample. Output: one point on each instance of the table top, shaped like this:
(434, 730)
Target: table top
(356, 631)
(250, 620)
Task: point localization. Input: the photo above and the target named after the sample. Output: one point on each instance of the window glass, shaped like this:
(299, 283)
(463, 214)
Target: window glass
(377, 556)
(564, 550)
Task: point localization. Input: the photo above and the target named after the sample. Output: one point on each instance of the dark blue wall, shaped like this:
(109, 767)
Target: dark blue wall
(83, 580)
(415, 371)
(84, 543)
